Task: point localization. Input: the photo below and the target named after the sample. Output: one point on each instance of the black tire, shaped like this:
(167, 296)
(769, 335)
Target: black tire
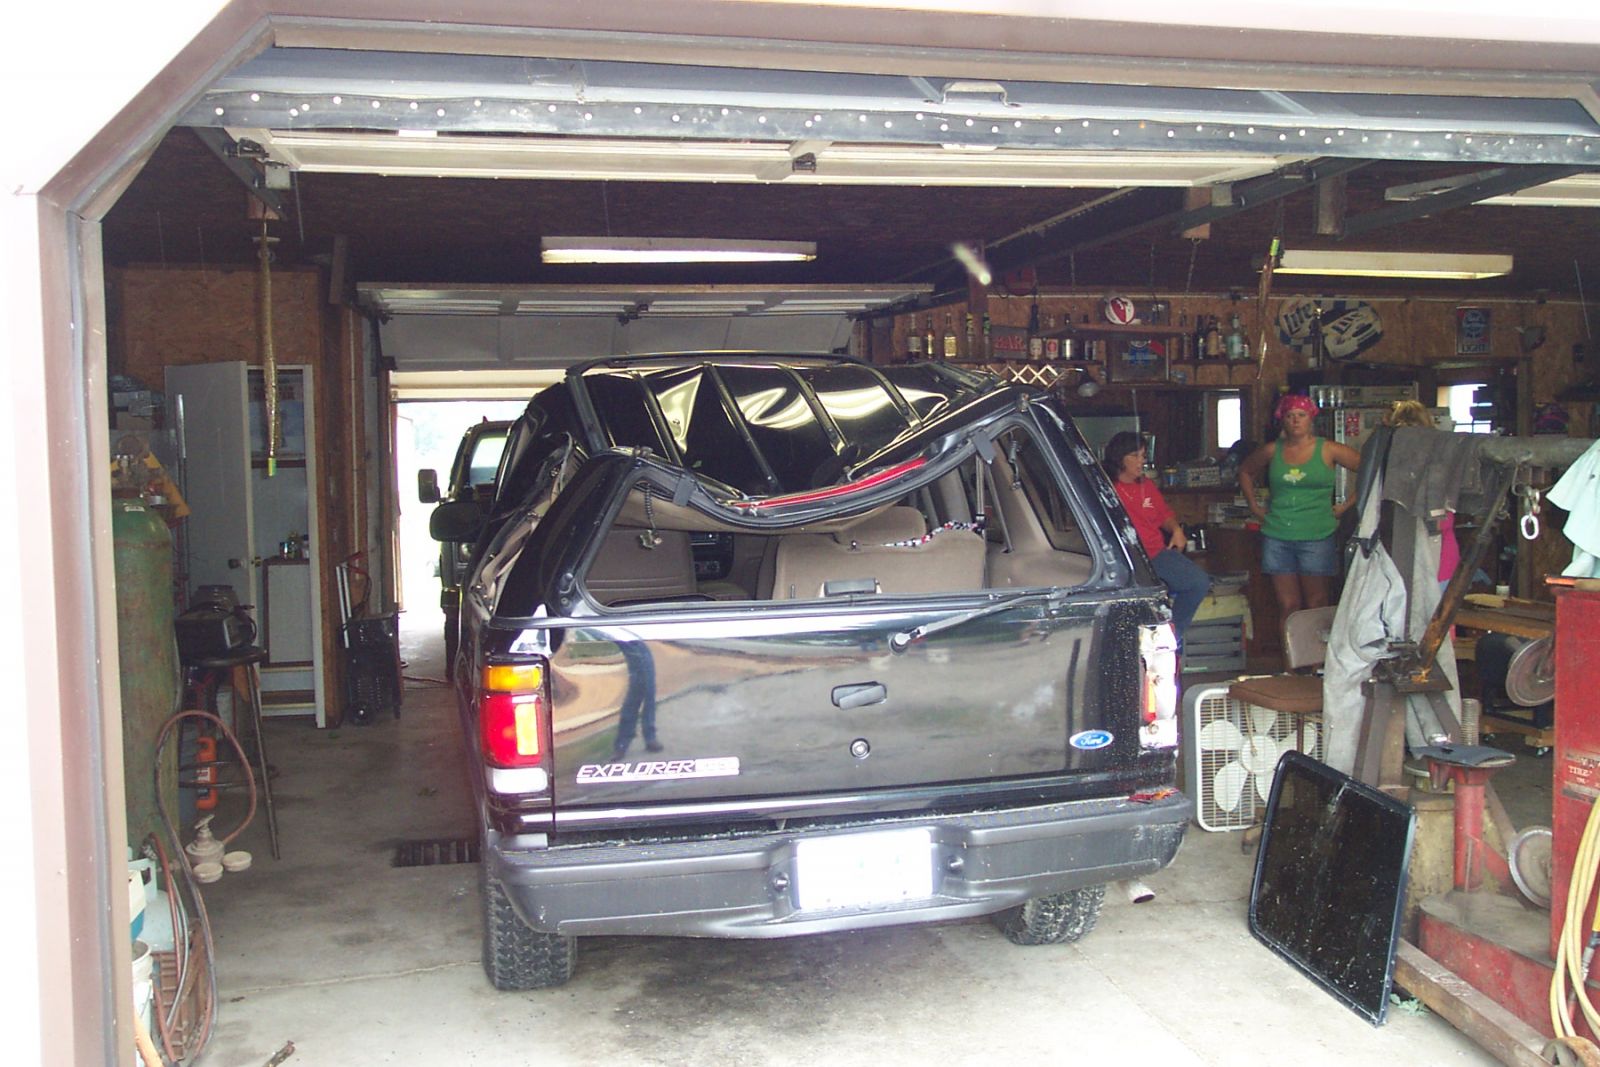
(452, 639)
(1054, 920)
(515, 956)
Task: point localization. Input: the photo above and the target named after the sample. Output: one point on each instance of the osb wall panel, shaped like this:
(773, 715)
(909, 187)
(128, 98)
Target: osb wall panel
(163, 317)
(174, 317)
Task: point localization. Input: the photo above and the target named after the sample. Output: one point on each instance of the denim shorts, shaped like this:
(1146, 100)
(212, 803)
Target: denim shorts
(1299, 557)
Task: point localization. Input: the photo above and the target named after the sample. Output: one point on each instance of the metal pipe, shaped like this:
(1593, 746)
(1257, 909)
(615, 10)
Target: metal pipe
(1548, 451)
(1508, 453)
(269, 359)
(1444, 615)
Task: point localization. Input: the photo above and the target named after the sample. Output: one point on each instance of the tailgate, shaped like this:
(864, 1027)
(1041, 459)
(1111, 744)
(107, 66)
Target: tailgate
(785, 704)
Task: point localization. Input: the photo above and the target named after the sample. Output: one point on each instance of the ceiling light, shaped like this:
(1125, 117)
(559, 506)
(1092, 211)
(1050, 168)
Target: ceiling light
(1455, 266)
(672, 250)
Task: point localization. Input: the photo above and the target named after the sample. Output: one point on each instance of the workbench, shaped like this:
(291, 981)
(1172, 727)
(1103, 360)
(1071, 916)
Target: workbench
(1531, 619)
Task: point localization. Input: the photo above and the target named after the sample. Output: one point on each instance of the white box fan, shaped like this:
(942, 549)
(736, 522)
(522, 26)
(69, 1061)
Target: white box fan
(1230, 754)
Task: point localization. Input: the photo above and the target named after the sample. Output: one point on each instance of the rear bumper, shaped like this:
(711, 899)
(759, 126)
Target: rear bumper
(745, 887)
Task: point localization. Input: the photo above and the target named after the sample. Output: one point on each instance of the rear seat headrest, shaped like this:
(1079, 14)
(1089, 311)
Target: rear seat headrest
(899, 523)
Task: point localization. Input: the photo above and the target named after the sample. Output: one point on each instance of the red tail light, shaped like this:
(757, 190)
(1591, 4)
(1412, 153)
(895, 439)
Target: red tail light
(1158, 655)
(514, 714)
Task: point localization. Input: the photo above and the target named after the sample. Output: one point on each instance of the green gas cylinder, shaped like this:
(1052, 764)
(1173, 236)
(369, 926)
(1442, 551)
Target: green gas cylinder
(148, 655)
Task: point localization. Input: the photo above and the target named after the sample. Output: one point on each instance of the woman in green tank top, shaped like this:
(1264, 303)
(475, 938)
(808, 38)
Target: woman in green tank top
(1298, 524)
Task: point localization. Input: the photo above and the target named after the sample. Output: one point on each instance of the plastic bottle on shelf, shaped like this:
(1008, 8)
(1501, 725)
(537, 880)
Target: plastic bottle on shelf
(1237, 348)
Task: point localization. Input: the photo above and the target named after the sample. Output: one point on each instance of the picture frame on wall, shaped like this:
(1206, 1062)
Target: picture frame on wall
(1137, 360)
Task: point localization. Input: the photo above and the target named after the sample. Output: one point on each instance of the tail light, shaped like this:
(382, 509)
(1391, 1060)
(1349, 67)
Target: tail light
(514, 725)
(1158, 686)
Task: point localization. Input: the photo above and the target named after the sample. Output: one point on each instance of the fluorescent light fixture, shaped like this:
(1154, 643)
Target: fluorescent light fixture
(1453, 266)
(672, 250)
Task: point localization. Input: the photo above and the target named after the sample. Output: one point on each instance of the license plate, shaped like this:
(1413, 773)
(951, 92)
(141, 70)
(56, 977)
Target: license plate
(863, 870)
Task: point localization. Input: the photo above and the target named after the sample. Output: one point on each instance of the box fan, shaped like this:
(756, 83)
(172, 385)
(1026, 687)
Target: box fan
(1230, 753)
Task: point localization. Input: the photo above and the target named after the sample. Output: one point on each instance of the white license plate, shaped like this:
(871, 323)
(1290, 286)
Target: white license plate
(862, 870)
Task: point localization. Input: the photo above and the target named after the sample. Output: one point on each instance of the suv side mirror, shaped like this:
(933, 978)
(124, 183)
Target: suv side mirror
(456, 520)
(428, 486)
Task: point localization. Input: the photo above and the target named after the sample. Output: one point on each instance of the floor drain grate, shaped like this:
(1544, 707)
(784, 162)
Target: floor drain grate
(436, 852)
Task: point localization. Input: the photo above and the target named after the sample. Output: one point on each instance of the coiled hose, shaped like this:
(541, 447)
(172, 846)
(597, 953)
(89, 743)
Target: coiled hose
(1573, 956)
(200, 1037)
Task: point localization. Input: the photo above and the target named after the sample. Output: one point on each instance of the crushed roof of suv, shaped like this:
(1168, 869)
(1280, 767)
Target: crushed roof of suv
(761, 424)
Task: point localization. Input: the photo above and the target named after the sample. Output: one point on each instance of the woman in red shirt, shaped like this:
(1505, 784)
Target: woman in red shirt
(1159, 530)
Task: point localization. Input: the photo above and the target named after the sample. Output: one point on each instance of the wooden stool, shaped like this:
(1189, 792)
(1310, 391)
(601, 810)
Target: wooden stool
(246, 661)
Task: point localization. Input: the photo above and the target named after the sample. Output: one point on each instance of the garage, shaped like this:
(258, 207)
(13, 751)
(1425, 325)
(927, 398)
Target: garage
(302, 228)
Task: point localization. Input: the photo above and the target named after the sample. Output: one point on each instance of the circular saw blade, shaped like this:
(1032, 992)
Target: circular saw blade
(1530, 858)
(1531, 674)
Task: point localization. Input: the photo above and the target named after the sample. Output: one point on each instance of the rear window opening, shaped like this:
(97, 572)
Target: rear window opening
(1002, 524)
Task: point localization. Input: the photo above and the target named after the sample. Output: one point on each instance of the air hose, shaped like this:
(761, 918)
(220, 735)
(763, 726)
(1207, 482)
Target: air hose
(1573, 956)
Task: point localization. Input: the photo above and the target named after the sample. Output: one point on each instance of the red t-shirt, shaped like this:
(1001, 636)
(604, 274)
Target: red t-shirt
(1148, 510)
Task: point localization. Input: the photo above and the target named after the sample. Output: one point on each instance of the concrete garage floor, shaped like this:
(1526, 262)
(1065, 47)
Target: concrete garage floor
(359, 962)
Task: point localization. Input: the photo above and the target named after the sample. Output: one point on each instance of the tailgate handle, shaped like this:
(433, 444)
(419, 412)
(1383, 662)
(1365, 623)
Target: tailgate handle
(859, 695)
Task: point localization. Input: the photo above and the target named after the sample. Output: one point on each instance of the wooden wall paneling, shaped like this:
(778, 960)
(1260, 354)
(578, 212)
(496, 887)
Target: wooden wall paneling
(177, 316)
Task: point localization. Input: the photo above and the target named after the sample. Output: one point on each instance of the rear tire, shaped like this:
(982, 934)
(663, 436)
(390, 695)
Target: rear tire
(516, 956)
(1058, 919)
(452, 640)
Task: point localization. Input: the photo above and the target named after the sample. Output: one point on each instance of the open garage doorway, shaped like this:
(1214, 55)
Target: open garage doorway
(428, 435)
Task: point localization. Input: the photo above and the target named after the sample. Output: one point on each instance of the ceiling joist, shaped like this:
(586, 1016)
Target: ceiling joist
(1499, 182)
(1124, 214)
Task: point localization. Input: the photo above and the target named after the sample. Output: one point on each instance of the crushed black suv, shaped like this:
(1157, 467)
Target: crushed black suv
(457, 520)
(757, 646)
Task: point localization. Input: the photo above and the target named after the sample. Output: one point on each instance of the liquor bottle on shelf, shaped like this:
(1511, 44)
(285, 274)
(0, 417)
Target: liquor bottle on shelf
(1035, 335)
(972, 341)
(1319, 344)
(1199, 337)
(1215, 349)
(913, 340)
(988, 339)
(929, 345)
(1238, 349)
(949, 346)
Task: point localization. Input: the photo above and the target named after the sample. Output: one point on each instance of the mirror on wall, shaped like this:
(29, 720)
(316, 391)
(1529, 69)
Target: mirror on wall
(1181, 426)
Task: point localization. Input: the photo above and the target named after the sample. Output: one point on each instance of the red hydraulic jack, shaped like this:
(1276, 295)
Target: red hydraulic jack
(1468, 769)
(1485, 960)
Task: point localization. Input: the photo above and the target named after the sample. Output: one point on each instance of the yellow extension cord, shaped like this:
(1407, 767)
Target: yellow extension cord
(1571, 961)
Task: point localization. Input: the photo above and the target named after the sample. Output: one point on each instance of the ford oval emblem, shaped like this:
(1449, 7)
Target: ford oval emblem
(1092, 739)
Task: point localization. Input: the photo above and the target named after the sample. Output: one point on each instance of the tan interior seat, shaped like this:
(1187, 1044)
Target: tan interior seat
(626, 571)
(753, 558)
(812, 565)
(1027, 558)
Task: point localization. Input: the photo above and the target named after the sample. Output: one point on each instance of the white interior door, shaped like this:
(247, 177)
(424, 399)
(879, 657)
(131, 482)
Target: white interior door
(210, 410)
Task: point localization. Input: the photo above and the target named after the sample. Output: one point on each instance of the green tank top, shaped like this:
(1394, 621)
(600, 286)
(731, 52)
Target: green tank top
(1301, 507)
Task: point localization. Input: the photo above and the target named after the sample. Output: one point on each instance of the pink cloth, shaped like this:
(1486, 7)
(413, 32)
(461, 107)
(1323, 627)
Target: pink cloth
(1148, 509)
(1292, 402)
(1449, 551)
